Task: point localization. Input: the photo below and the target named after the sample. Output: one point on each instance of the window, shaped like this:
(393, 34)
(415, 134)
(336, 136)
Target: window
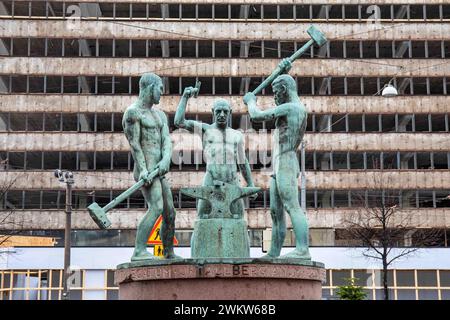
(371, 123)
(286, 11)
(188, 11)
(204, 11)
(423, 160)
(122, 10)
(356, 161)
(270, 12)
(204, 48)
(270, 49)
(388, 123)
(220, 11)
(221, 49)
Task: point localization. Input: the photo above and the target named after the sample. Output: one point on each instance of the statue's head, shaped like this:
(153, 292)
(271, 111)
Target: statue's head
(221, 111)
(150, 88)
(284, 88)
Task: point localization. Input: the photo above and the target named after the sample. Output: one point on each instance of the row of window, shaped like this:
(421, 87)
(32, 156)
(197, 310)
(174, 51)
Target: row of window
(102, 85)
(378, 123)
(48, 285)
(191, 161)
(403, 284)
(112, 122)
(225, 11)
(126, 237)
(54, 199)
(54, 47)
(320, 161)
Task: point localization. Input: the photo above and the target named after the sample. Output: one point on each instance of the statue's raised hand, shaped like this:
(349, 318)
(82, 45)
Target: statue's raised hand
(189, 92)
(285, 65)
(249, 97)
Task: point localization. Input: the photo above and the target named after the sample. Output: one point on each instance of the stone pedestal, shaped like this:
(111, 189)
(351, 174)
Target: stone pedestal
(227, 238)
(220, 279)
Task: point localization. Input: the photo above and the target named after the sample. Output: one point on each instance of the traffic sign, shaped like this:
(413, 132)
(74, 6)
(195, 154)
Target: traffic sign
(155, 236)
(158, 250)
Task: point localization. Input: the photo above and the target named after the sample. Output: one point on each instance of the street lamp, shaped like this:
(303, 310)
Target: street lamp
(67, 178)
(389, 91)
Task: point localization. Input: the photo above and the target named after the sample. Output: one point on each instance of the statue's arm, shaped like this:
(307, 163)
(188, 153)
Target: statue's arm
(166, 146)
(180, 120)
(132, 130)
(243, 163)
(259, 115)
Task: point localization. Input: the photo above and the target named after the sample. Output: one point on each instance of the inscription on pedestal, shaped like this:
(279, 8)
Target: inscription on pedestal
(220, 271)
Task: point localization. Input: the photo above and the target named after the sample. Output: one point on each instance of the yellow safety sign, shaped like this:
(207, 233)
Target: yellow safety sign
(155, 236)
(158, 250)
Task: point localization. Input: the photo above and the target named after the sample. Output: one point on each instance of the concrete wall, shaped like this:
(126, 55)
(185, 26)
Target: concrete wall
(256, 218)
(202, 105)
(73, 141)
(222, 67)
(223, 30)
(340, 180)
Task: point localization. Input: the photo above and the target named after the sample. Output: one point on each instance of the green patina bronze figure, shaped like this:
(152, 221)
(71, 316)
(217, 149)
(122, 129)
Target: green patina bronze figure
(290, 124)
(147, 131)
(223, 149)
(219, 232)
(290, 121)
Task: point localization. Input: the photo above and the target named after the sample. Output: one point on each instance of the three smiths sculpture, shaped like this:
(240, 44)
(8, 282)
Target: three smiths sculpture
(220, 230)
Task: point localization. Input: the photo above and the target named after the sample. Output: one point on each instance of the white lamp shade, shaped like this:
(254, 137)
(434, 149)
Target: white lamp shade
(389, 91)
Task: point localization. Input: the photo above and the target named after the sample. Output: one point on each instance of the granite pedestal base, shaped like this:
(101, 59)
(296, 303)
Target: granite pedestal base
(220, 279)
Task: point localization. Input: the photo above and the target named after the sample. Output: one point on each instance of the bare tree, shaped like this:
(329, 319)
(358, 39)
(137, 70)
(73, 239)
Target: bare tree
(379, 225)
(7, 221)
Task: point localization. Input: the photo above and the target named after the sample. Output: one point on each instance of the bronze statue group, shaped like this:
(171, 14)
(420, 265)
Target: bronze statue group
(147, 130)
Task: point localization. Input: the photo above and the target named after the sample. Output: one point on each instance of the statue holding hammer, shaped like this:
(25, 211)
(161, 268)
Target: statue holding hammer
(223, 148)
(147, 131)
(290, 124)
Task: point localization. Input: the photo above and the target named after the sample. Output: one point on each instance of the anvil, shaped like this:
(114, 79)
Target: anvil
(220, 195)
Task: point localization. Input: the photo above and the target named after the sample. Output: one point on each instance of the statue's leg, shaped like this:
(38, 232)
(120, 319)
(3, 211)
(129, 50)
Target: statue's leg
(278, 220)
(168, 222)
(153, 197)
(288, 190)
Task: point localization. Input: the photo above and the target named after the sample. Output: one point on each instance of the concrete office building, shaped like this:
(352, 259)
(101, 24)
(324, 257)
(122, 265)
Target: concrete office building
(70, 68)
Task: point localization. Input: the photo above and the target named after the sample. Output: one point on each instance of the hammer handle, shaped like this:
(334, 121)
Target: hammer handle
(127, 193)
(278, 70)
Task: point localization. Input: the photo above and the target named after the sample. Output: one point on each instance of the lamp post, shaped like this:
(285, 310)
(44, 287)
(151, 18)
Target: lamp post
(67, 178)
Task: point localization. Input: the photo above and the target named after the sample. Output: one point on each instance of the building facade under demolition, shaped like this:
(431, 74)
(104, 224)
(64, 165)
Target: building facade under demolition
(69, 69)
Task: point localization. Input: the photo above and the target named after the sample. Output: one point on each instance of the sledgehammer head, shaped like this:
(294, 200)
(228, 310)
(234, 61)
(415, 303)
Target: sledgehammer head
(317, 35)
(99, 215)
